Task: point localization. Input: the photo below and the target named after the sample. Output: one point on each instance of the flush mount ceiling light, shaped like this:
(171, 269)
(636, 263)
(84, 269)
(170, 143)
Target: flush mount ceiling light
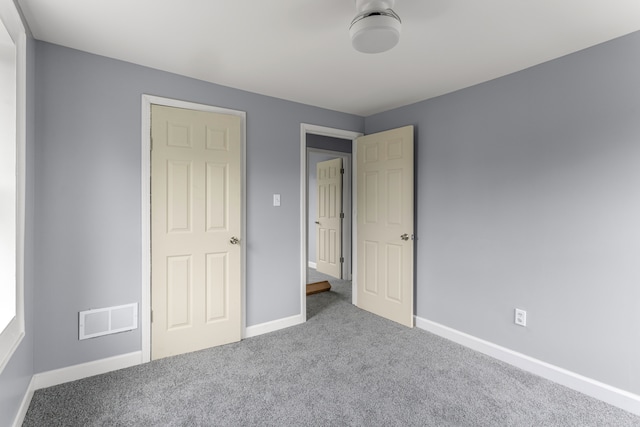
(376, 27)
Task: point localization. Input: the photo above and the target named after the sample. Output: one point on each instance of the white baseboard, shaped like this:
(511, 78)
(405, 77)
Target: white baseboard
(609, 394)
(313, 265)
(24, 405)
(274, 325)
(84, 370)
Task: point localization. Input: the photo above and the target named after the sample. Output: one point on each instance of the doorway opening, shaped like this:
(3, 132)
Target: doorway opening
(317, 144)
(321, 206)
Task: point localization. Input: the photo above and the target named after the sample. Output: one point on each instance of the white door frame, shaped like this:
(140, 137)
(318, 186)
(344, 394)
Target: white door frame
(145, 309)
(334, 133)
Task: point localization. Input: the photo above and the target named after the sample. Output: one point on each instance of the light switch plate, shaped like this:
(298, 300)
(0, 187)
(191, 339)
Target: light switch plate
(276, 200)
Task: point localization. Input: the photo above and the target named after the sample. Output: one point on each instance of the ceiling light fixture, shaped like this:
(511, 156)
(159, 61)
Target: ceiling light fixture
(376, 27)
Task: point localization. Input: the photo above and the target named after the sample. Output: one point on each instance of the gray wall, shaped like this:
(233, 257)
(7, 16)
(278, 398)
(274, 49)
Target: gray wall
(15, 378)
(528, 196)
(88, 195)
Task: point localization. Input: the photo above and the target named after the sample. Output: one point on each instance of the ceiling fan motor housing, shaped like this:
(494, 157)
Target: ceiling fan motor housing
(376, 27)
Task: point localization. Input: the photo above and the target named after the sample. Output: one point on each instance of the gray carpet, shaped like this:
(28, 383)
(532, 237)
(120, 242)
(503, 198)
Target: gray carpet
(343, 367)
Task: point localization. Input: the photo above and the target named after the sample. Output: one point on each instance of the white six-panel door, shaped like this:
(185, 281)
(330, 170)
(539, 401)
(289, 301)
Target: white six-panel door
(328, 219)
(384, 268)
(195, 230)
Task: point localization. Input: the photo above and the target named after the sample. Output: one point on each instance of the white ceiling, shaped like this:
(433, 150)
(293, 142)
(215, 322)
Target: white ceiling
(300, 49)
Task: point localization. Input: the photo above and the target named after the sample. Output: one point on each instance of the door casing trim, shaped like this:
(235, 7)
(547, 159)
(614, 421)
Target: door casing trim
(145, 306)
(305, 129)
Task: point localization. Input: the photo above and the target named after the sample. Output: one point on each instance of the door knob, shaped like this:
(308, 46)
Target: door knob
(405, 237)
(234, 240)
(318, 222)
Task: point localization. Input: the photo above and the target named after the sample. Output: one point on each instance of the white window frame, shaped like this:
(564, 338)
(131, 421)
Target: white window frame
(13, 334)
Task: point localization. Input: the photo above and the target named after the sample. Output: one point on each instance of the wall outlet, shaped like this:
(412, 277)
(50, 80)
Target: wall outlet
(520, 317)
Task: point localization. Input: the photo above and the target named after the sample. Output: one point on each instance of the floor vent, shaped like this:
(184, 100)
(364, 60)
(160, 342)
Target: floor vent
(105, 321)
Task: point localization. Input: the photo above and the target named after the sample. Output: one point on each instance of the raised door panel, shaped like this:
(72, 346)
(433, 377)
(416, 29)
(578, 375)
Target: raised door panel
(217, 287)
(179, 196)
(179, 292)
(217, 200)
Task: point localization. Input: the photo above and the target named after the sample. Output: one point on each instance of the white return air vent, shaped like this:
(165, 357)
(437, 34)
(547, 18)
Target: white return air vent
(105, 321)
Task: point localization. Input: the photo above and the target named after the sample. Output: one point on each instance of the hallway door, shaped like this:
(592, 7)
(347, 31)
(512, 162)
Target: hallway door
(329, 218)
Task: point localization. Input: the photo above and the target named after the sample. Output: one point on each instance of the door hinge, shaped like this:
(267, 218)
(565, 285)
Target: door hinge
(151, 316)
(151, 147)
(342, 215)
(342, 171)
(341, 259)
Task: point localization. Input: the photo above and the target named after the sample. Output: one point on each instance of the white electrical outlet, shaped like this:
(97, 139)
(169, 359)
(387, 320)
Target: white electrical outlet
(520, 317)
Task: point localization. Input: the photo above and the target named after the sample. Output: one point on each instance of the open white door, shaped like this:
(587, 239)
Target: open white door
(329, 218)
(195, 230)
(384, 269)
